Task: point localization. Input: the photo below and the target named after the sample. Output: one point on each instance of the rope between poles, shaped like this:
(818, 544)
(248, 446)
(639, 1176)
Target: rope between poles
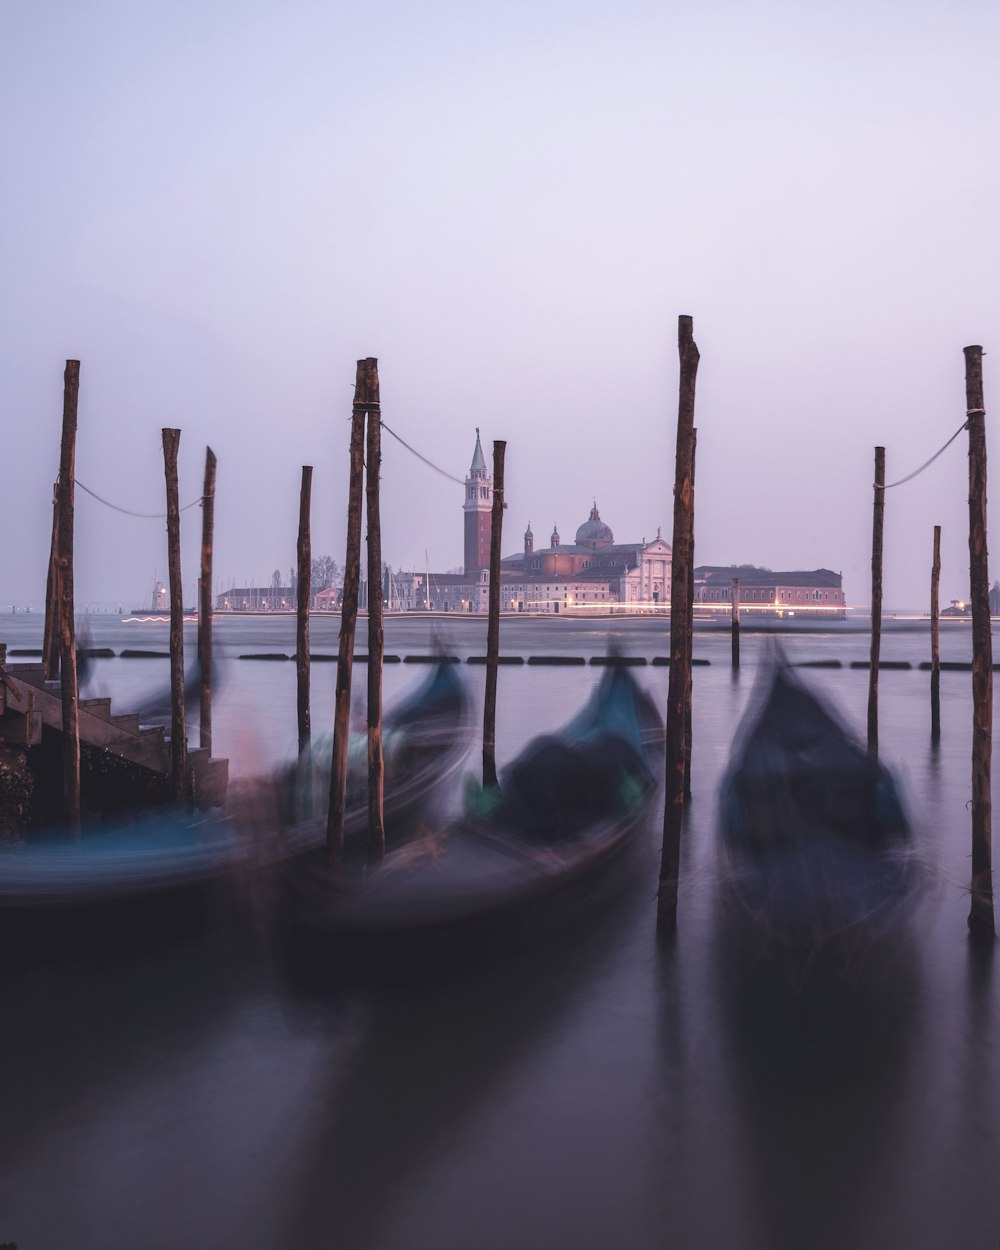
(429, 463)
(910, 476)
(149, 516)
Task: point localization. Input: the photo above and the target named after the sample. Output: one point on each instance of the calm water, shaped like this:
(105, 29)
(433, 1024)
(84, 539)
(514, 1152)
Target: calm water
(597, 1091)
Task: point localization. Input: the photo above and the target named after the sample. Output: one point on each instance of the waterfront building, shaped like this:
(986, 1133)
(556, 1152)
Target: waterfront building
(763, 592)
(256, 599)
(592, 572)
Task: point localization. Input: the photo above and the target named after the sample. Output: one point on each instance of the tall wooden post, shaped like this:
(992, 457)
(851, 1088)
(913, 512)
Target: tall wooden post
(493, 626)
(735, 619)
(936, 637)
(878, 518)
(205, 600)
(376, 637)
(981, 922)
(50, 639)
(680, 571)
(171, 442)
(689, 625)
(348, 623)
(64, 580)
(303, 593)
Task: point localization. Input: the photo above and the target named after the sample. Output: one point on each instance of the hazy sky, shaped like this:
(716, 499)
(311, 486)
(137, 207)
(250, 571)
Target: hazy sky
(218, 207)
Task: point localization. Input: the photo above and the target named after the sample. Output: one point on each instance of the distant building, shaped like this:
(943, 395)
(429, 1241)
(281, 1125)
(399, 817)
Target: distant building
(478, 511)
(960, 608)
(763, 592)
(592, 572)
(256, 599)
(327, 600)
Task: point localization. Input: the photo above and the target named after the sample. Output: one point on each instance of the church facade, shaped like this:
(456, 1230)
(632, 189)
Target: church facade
(593, 573)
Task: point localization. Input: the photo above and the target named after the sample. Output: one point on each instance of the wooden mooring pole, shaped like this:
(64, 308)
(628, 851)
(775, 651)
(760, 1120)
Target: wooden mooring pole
(936, 637)
(735, 618)
(878, 518)
(348, 623)
(981, 921)
(64, 581)
(205, 600)
(493, 625)
(171, 442)
(680, 638)
(689, 626)
(376, 636)
(50, 638)
(303, 593)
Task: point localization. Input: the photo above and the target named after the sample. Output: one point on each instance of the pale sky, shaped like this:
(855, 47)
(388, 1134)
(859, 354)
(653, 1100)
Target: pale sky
(218, 207)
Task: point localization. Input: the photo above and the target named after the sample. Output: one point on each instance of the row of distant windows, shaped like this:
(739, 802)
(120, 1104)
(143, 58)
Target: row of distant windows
(767, 596)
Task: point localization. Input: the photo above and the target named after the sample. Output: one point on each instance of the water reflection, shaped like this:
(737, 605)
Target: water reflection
(431, 1059)
(601, 1092)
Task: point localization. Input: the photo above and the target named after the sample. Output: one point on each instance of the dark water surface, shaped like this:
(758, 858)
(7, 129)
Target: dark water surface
(593, 1090)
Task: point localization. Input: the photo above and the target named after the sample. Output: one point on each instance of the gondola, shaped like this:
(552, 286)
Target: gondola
(424, 741)
(170, 867)
(815, 842)
(529, 854)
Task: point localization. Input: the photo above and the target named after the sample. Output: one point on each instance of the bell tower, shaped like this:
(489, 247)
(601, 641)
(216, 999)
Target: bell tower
(478, 510)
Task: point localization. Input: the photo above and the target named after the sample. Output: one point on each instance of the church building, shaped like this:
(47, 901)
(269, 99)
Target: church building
(592, 572)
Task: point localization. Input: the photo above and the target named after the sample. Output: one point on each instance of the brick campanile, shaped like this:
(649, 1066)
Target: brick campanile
(478, 510)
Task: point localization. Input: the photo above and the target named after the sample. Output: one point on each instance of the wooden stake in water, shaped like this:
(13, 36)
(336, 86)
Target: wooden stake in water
(64, 581)
(680, 571)
(981, 922)
(878, 518)
(689, 626)
(493, 626)
(376, 636)
(348, 622)
(178, 742)
(936, 637)
(303, 592)
(735, 619)
(205, 600)
(50, 638)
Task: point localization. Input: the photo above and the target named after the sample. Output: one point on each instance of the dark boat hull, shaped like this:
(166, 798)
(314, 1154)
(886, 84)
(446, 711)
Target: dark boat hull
(815, 843)
(167, 876)
(546, 854)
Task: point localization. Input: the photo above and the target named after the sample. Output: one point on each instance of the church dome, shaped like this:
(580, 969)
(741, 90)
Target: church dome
(593, 532)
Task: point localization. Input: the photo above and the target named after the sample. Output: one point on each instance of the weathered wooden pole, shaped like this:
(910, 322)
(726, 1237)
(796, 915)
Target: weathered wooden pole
(348, 623)
(936, 637)
(171, 442)
(735, 619)
(205, 600)
(303, 593)
(50, 639)
(981, 922)
(376, 637)
(689, 625)
(878, 518)
(64, 581)
(680, 571)
(493, 625)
